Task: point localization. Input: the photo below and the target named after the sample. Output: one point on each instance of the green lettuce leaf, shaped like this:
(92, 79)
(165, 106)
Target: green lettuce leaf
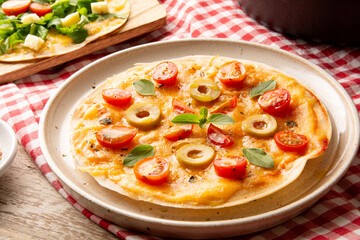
(85, 4)
(7, 27)
(60, 8)
(77, 32)
(39, 31)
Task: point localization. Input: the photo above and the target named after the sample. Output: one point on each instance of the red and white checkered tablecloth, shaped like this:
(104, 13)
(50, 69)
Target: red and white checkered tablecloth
(335, 216)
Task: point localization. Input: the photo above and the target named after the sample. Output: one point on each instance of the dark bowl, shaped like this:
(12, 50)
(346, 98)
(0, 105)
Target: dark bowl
(329, 21)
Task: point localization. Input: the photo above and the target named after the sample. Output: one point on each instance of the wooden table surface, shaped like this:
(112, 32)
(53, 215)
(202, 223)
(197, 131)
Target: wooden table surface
(30, 208)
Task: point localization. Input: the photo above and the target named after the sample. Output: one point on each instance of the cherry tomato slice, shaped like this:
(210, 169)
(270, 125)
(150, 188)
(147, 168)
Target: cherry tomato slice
(179, 133)
(152, 170)
(231, 73)
(180, 107)
(15, 7)
(41, 9)
(219, 137)
(275, 100)
(115, 136)
(290, 141)
(116, 97)
(230, 167)
(165, 73)
(226, 106)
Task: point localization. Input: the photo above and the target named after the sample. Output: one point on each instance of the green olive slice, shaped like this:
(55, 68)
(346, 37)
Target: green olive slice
(143, 115)
(195, 155)
(204, 90)
(261, 125)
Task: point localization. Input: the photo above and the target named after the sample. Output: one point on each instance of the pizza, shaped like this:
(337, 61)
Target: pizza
(198, 131)
(35, 29)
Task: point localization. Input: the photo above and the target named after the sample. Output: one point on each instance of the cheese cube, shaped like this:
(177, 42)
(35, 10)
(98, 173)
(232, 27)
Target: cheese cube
(30, 18)
(70, 19)
(100, 7)
(33, 42)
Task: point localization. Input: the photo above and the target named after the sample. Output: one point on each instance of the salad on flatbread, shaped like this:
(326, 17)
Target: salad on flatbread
(34, 29)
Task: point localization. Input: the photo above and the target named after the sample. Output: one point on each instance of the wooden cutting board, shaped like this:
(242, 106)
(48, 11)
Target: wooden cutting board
(145, 16)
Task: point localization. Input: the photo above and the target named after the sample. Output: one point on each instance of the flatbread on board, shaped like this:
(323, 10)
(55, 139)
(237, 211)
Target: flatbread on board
(58, 44)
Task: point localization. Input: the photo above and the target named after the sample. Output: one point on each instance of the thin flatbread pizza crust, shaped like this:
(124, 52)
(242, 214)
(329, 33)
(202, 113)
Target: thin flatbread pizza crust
(58, 44)
(206, 189)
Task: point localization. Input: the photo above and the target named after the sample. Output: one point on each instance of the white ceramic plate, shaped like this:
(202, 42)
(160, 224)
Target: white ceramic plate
(8, 146)
(320, 173)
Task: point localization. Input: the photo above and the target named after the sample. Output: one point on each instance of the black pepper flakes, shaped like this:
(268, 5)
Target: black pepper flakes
(92, 146)
(291, 124)
(192, 179)
(105, 121)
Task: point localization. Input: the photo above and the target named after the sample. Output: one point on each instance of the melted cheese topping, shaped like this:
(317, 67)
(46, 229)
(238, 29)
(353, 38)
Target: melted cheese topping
(208, 189)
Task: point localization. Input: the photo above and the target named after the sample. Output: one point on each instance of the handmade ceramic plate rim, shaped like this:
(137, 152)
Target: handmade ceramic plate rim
(153, 219)
(8, 146)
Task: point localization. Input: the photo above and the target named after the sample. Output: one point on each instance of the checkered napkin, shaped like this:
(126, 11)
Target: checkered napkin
(335, 216)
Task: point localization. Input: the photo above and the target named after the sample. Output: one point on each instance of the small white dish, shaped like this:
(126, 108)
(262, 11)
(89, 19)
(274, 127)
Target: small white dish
(8, 146)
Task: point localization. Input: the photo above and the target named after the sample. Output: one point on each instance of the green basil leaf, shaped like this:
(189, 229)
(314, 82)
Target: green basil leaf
(220, 118)
(203, 113)
(262, 87)
(186, 118)
(258, 157)
(203, 117)
(202, 123)
(138, 153)
(144, 87)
